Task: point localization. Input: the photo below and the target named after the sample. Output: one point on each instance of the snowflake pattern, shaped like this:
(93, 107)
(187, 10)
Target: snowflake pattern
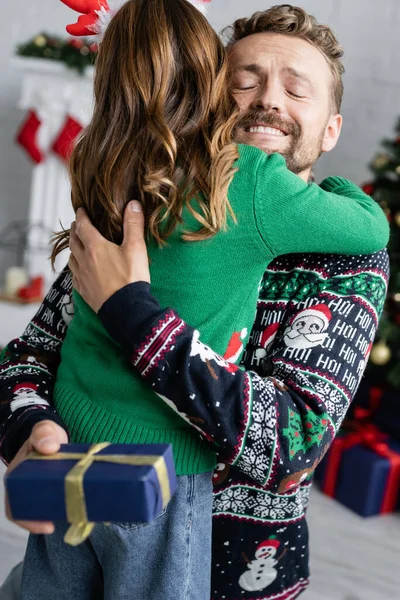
(40, 339)
(16, 372)
(256, 458)
(233, 500)
(256, 504)
(334, 401)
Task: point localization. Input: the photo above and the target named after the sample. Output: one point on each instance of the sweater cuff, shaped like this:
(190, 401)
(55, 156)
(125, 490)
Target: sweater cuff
(20, 431)
(332, 184)
(129, 314)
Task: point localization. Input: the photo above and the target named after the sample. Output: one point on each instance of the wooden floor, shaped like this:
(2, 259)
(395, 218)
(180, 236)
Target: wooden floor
(352, 558)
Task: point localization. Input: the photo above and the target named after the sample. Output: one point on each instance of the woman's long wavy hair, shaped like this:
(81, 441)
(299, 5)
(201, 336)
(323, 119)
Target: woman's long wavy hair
(162, 125)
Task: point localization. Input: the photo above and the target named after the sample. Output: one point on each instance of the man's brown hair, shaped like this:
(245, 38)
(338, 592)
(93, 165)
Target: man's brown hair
(291, 20)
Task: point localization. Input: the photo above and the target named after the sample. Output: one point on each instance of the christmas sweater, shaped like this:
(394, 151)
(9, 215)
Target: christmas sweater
(271, 424)
(214, 285)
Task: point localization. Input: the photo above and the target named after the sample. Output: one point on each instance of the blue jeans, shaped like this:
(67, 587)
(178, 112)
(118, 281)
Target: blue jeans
(168, 559)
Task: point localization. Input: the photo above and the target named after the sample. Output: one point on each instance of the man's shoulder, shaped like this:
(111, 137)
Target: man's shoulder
(330, 265)
(295, 278)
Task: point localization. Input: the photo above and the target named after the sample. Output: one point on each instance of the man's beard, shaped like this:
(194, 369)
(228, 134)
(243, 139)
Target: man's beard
(302, 152)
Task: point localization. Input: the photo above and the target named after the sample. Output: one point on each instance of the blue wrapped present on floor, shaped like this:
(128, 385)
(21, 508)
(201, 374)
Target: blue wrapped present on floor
(383, 404)
(362, 471)
(87, 484)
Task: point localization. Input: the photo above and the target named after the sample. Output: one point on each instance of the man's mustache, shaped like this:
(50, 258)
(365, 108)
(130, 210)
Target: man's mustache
(268, 119)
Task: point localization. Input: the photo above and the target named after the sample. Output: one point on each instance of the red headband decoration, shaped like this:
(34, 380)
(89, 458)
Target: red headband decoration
(97, 14)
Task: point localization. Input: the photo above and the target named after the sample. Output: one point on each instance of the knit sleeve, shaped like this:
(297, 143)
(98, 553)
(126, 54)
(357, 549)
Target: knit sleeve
(295, 217)
(274, 429)
(28, 368)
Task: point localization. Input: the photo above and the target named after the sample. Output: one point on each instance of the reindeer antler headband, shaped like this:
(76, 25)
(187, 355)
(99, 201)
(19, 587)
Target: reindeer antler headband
(97, 14)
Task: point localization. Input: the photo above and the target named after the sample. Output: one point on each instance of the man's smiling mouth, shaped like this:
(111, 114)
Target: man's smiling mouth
(265, 129)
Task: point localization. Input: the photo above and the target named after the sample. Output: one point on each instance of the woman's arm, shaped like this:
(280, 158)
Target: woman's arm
(295, 217)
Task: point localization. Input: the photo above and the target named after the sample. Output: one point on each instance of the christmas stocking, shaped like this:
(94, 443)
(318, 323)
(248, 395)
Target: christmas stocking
(65, 141)
(78, 116)
(27, 136)
(46, 112)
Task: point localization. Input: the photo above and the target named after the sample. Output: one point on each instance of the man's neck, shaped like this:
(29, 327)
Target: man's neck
(306, 175)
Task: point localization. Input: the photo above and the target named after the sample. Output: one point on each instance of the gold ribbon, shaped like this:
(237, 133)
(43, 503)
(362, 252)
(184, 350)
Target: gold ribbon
(75, 503)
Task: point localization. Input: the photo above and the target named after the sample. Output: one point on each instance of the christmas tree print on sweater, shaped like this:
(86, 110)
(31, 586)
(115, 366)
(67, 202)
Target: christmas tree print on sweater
(303, 431)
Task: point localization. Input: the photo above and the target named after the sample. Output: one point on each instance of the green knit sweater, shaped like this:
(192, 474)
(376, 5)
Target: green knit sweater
(213, 285)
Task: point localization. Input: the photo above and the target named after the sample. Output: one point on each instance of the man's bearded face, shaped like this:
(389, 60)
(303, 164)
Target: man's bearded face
(283, 88)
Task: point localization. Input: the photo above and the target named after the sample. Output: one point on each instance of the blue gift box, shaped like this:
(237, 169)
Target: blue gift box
(112, 491)
(384, 404)
(361, 479)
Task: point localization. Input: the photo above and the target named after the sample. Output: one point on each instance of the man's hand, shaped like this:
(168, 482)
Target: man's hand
(101, 268)
(46, 438)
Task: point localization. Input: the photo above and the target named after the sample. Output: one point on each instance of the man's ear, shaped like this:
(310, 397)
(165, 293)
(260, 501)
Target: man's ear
(332, 132)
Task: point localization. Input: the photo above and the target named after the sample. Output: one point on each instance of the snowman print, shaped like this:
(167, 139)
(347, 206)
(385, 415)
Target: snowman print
(261, 571)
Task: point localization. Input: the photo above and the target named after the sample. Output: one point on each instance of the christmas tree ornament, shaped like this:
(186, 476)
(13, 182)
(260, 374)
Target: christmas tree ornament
(381, 161)
(40, 41)
(397, 218)
(380, 354)
(97, 14)
(368, 188)
(74, 54)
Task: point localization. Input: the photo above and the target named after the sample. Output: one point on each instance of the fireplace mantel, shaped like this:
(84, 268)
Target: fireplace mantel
(54, 91)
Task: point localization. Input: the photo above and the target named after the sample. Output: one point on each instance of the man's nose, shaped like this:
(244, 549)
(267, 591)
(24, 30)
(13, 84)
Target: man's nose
(269, 98)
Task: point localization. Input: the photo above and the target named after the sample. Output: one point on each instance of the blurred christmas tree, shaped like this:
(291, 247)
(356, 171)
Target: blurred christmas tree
(384, 365)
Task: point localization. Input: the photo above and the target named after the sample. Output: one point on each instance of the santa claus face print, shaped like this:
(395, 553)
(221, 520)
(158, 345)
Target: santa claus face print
(26, 395)
(305, 332)
(67, 310)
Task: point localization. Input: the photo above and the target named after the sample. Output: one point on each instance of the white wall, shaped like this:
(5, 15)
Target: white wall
(368, 29)
(20, 21)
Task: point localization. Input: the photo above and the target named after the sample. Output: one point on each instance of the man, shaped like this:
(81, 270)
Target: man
(316, 318)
